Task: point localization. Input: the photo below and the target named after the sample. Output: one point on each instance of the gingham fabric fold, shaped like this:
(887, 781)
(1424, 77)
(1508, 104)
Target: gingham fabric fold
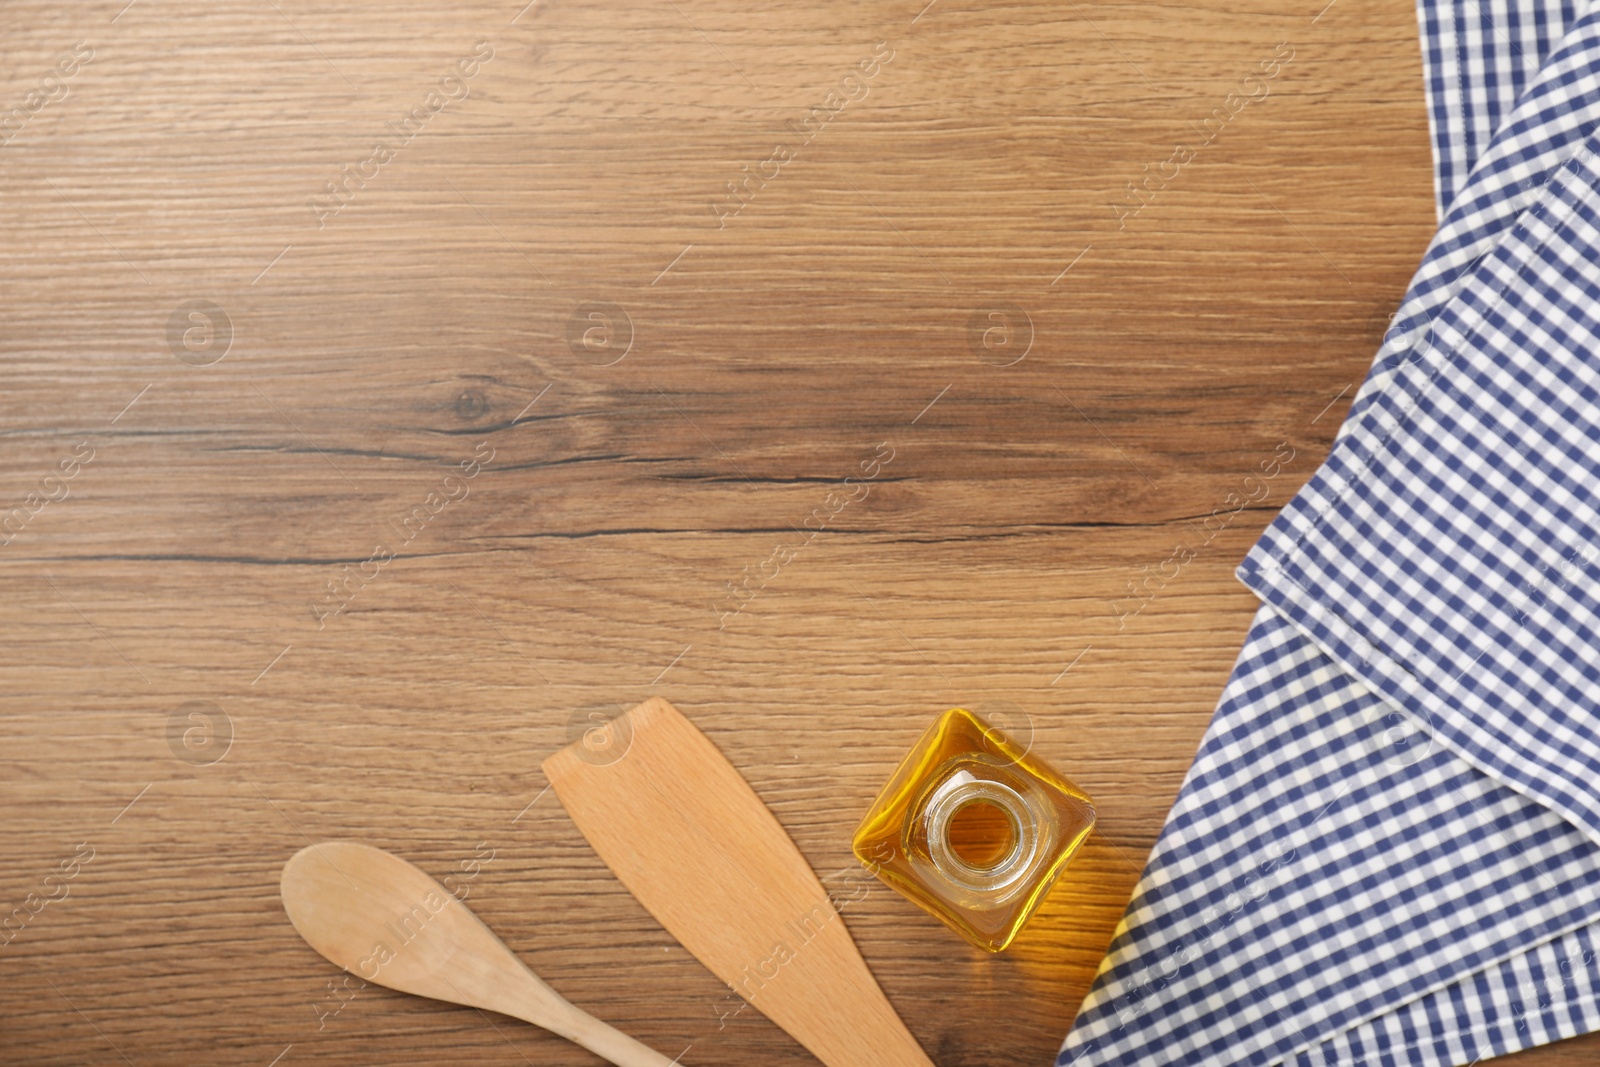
(1324, 866)
(1387, 849)
(1478, 55)
(1541, 133)
(1448, 551)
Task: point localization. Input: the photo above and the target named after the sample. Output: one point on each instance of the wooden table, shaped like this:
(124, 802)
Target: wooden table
(426, 386)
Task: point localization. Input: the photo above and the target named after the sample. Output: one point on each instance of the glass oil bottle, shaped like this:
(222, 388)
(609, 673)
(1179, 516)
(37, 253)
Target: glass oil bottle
(974, 829)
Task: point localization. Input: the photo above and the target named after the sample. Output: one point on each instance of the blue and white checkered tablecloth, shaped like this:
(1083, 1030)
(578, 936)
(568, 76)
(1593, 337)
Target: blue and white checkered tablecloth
(1387, 851)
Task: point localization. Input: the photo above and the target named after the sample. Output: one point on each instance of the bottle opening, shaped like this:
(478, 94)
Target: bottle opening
(981, 834)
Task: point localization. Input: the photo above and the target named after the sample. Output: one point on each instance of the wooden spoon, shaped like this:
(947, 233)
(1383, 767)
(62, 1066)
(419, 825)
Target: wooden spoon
(388, 922)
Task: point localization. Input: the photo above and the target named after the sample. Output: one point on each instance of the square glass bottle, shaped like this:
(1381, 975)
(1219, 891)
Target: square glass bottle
(974, 829)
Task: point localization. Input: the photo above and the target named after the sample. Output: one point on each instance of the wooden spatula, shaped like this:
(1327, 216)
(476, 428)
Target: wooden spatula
(388, 922)
(690, 839)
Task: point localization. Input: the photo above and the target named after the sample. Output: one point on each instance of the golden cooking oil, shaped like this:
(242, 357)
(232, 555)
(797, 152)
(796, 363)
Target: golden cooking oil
(974, 828)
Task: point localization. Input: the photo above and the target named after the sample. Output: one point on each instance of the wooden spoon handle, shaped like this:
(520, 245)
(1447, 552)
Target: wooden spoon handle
(581, 1028)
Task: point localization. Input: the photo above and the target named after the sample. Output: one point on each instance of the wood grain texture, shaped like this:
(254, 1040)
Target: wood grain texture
(681, 828)
(238, 566)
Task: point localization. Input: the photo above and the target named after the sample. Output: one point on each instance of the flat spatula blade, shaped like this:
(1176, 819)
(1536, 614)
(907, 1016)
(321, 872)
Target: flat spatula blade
(683, 830)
